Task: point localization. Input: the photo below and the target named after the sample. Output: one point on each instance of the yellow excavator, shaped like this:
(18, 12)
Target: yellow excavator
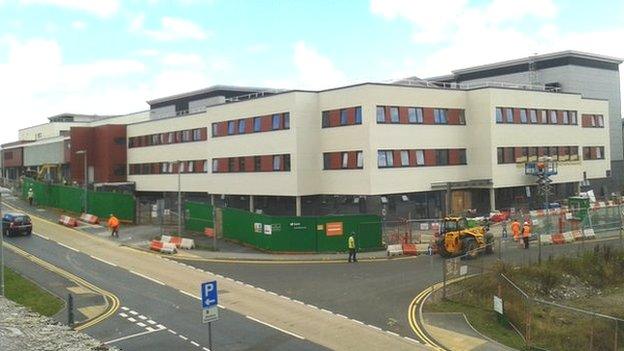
(457, 238)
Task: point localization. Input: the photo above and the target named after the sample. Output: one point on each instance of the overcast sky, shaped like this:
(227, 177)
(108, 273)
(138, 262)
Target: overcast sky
(110, 56)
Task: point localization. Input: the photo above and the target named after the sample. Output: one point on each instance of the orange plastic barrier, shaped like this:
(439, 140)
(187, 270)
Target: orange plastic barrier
(558, 239)
(410, 249)
(68, 221)
(209, 232)
(89, 218)
(156, 245)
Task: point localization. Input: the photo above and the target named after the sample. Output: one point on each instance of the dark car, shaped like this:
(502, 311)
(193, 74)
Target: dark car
(16, 223)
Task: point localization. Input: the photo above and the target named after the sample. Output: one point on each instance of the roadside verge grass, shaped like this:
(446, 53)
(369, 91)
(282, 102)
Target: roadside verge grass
(27, 293)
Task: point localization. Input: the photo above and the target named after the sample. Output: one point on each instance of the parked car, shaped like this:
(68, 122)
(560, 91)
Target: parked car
(499, 216)
(16, 223)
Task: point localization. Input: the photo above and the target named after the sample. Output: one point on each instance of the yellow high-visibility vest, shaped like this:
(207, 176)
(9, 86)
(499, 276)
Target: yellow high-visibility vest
(351, 242)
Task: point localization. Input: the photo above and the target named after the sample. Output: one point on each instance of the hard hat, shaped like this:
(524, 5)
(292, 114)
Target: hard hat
(526, 223)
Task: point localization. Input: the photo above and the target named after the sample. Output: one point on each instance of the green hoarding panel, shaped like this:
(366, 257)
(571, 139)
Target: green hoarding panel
(198, 216)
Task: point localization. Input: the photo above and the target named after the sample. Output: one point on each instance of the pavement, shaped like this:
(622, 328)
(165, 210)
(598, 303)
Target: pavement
(454, 332)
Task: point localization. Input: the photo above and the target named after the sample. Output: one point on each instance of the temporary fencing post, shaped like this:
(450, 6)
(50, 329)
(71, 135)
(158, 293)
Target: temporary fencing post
(500, 248)
(444, 279)
(621, 225)
(615, 340)
(70, 310)
(539, 249)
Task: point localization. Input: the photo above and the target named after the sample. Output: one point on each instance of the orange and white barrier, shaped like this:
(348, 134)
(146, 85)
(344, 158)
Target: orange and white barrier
(156, 245)
(68, 221)
(394, 250)
(546, 239)
(409, 249)
(589, 234)
(558, 239)
(577, 234)
(568, 237)
(179, 242)
(89, 218)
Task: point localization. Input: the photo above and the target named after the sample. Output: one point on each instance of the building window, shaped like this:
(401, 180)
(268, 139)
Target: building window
(287, 163)
(462, 156)
(600, 121)
(566, 119)
(500, 155)
(231, 127)
(462, 117)
(154, 139)
(499, 115)
(360, 159)
(287, 120)
(186, 135)
(257, 124)
(257, 163)
(574, 156)
(170, 166)
(215, 129)
(164, 167)
(345, 159)
(205, 166)
(277, 162)
(325, 119)
(415, 115)
(358, 115)
(241, 164)
(343, 117)
(189, 166)
(599, 153)
(533, 116)
(509, 115)
(394, 114)
(277, 121)
(553, 152)
(241, 126)
(170, 137)
(553, 117)
(161, 136)
(384, 158)
(586, 153)
(439, 115)
(532, 153)
(404, 158)
(442, 157)
(573, 118)
(231, 163)
(523, 116)
(544, 117)
(327, 161)
(215, 165)
(381, 114)
(420, 157)
(196, 134)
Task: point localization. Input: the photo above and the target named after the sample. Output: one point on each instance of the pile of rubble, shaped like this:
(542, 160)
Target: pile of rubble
(22, 329)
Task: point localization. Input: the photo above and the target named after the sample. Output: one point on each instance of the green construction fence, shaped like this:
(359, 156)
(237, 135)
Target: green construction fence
(289, 233)
(71, 199)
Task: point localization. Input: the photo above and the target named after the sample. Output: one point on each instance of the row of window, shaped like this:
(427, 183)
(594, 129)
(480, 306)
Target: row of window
(194, 166)
(343, 160)
(341, 117)
(277, 121)
(592, 121)
(535, 116)
(593, 153)
(263, 163)
(180, 136)
(419, 115)
(418, 158)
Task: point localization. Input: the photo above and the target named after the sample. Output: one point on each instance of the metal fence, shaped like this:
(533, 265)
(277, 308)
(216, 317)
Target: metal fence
(410, 231)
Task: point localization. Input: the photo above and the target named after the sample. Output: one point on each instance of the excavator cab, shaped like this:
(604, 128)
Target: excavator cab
(457, 238)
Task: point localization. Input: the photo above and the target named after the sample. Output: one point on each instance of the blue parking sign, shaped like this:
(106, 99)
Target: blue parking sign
(209, 294)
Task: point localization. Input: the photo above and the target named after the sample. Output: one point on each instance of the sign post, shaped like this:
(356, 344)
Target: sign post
(210, 306)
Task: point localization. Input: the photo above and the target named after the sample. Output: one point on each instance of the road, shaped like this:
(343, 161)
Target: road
(175, 316)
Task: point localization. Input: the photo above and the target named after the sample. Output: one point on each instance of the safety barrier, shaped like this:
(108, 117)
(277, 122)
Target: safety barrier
(410, 249)
(68, 221)
(546, 239)
(558, 239)
(589, 234)
(179, 242)
(577, 234)
(394, 250)
(568, 237)
(156, 245)
(89, 218)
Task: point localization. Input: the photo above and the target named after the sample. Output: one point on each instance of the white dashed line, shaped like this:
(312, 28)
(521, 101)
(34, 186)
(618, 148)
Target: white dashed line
(125, 308)
(189, 294)
(277, 328)
(123, 315)
(260, 289)
(392, 333)
(67, 247)
(134, 313)
(148, 278)
(151, 329)
(341, 315)
(151, 321)
(374, 327)
(299, 302)
(172, 332)
(194, 343)
(327, 311)
(142, 317)
(161, 326)
(358, 322)
(412, 340)
(316, 308)
(131, 319)
(142, 325)
(42, 236)
(183, 337)
(103, 261)
(205, 349)
(272, 293)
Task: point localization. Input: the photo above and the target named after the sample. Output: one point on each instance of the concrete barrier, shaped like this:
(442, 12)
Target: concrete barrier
(187, 244)
(394, 250)
(68, 221)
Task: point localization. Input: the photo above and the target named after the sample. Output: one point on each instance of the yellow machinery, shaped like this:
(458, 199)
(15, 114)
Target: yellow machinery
(457, 238)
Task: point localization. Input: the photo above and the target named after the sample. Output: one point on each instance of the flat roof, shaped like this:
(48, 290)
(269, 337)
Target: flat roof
(215, 90)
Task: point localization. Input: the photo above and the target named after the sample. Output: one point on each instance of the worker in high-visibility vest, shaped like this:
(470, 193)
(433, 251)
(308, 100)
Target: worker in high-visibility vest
(113, 224)
(526, 234)
(351, 247)
(515, 229)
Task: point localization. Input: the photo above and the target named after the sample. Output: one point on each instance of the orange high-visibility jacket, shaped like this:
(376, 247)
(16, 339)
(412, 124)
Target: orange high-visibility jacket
(526, 232)
(113, 222)
(515, 228)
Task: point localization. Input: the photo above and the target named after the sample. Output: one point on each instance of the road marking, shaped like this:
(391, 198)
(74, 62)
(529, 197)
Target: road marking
(327, 311)
(183, 337)
(151, 329)
(260, 289)
(205, 349)
(412, 340)
(151, 321)
(148, 278)
(392, 333)
(341, 315)
(131, 319)
(67, 247)
(189, 294)
(172, 332)
(42, 236)
(134, 312)
(277, 328)
(161, 326)
(142, 317)
(130, 336)
(142, 325)
(103, 261)
(194, 343)
(125, 308)
(374, 327)
(123, 315)
(358, 322)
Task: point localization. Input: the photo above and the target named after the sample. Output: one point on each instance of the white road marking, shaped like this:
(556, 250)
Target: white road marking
(151, 321)
(142, 325)
(261, 289)
(161, 326)
(205, 349)
(358, 322)
(142, 317)
(134, 312)
(277, 328)
(194, 343)
(123, 315)
(131, 319)
(148, 278)
(392, 333)
(42, 236)
(67, 247)
(327, 311)
(412, 340)
(124, 308)
(341, 315)
(172, 332)
(183, 337)
(151, 329)
(103, 261)
(189, 294)
(130, 336)
(374, 327)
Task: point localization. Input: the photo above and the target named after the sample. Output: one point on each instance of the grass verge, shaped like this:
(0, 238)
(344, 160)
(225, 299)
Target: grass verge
(27, 293)
(487, 323)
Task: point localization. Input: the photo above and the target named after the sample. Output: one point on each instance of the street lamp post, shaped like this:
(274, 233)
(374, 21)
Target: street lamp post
(179, 198)
(1, 251)
(86, 177)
